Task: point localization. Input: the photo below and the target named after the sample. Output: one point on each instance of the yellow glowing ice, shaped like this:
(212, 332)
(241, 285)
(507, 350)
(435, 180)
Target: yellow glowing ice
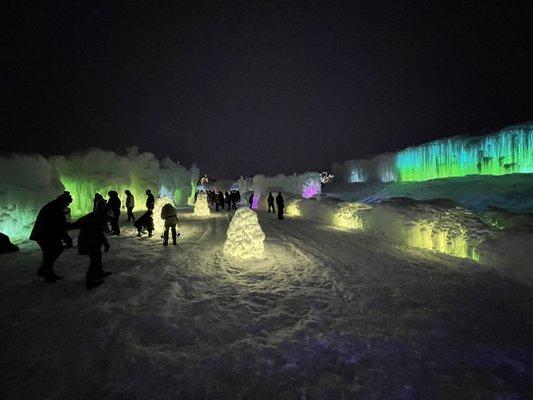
(159, 224)
(293, 208)
(244, 236)
(348, 215)
(201, 208)
(428, 235)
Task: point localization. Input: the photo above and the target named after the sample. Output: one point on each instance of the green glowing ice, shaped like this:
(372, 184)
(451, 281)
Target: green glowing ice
(506, 152)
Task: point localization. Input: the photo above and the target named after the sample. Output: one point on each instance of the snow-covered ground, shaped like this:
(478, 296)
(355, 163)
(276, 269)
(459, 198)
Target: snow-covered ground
(325, 314)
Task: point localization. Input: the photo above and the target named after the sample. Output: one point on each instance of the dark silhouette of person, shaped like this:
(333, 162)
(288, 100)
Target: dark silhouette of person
(170, 216)
(220, 200)
(49, 232)
(145, 221)
(280, 204)
(233, 197)
(270, 201)
(98, 202)
(67, 240)
(130, 205)
(114, 205)
(5, 244)
(90, 242)
(251, 200)
(227, 200)
(150, 200)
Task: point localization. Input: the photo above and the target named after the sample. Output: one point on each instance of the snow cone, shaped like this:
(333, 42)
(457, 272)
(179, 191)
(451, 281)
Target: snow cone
(201, 209)
(244, 236)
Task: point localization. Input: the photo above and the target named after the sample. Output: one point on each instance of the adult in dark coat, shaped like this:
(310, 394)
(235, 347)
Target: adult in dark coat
(90, 242)
(170, 215)
(98, 202)
(280, 204)
(49, 231)
(114, 205)
(145, 221)
(270, 201)
(130, 204)
(227, 200)
(150, 200)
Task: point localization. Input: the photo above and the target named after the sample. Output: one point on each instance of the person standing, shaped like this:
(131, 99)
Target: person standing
(170, 215)
(90, 242)
(281, 205)
(227, 200)
(98, 202)
(114, 205)
(150, 200)
(270, 201)
(220, 200)
(251, 200)
(49, 231)
(130, 204)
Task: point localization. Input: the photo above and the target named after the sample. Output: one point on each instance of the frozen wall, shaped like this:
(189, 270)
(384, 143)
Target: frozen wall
(306, 185)
(99, 171)
(27, 183)
(505, 152)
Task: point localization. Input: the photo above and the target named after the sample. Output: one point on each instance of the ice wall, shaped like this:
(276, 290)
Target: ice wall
(505, 152)
(27, 183)
(306, 185)
(99, 171)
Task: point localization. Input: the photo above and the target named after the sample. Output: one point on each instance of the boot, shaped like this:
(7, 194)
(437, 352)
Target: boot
(52, 277)
(91, 284)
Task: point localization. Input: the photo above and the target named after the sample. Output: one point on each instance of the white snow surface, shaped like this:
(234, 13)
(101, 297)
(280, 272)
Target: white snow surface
(201, 208)
(325, 314)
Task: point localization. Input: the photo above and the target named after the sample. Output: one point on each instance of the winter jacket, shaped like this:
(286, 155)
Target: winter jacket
(114, 204)
(270, 199)
(169, 214)
(150, 202)
(130, 201)
(279, 201)
(51, 224)
(91, 237)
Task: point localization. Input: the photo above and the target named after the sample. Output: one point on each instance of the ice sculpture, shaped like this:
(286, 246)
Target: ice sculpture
(244, 236)
(311, 188)
(201, 208)
(348, 215)
(293, 208)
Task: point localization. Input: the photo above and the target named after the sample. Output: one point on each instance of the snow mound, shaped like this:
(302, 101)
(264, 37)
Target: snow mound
(201, 208)
(293, 208)
(244, 236)
(347, 215)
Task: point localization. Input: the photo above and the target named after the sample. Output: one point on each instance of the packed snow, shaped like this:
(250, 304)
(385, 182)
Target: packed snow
(201, 208)
(244, 236)
(325, 313)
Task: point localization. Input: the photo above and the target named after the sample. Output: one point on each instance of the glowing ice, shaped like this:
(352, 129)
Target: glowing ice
(347, 215)
(201, 208)
(244, 236)
(293, 208)
(159, 224)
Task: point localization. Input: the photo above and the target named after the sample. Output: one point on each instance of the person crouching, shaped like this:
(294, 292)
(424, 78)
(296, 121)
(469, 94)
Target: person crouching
(90, 242)
(145, 222)
(170, 216)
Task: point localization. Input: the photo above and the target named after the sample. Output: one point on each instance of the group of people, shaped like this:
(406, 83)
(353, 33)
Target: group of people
(219, 200)
(53, 222)
(50, 231)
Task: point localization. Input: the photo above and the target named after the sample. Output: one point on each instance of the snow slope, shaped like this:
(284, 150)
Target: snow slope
(325, 314)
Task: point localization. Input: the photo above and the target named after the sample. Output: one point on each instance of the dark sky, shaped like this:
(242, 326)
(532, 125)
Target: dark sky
(249, 87)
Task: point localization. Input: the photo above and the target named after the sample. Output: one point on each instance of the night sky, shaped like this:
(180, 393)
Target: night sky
(260, 87)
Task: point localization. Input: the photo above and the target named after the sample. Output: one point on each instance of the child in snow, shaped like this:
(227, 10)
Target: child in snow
(90, 242)
(170, 216)
(145, 222)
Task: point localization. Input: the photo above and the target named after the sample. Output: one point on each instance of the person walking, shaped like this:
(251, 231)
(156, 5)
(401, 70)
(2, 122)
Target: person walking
(49, 231)
(270, 201)
(150, 200)
(114, 205)
(170, 215)
(130, 205)
(90, 242)
(281, 205)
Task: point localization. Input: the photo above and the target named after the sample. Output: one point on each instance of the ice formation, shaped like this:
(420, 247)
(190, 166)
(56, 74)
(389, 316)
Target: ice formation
(244, 236)
(311, 187)
(87, 173)
(27, 183)
(306, 184)
(347, 215)
(293, 208)
(201, 208)
(505, 152)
